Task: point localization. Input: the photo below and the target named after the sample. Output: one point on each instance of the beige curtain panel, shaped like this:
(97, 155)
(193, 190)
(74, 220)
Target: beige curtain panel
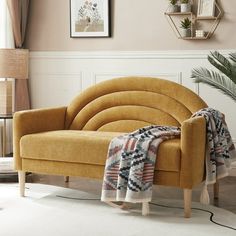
(18, 10)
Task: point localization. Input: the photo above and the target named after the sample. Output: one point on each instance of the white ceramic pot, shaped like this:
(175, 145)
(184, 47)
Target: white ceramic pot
(185, 7)
(186, 33)
(173, 8)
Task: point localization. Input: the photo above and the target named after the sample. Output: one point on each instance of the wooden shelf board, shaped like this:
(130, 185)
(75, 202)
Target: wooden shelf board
(194, 38)
(206, 18)
(178, 13)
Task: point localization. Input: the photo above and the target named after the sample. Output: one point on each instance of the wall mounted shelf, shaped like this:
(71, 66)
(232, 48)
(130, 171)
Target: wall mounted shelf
(213, 22)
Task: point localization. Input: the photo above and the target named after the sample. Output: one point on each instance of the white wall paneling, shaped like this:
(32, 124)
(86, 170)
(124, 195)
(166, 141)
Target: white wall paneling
(48, 90)
(57, 77)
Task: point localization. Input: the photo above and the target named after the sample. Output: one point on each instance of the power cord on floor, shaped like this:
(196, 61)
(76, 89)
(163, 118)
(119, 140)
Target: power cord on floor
(160, 205)
(198, 209)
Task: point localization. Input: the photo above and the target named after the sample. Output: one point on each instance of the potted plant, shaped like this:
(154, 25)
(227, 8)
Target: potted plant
(185, 6)
(173, 7)
(224, 79)
(186, 27)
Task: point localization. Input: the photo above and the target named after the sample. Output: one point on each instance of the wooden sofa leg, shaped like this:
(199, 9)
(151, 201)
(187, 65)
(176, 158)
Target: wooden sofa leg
(216, 190)
(21, 179)
(66, 179)
(187, 202)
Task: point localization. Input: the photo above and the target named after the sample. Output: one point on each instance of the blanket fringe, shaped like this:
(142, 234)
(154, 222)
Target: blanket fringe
(204, 198)
(123, 206)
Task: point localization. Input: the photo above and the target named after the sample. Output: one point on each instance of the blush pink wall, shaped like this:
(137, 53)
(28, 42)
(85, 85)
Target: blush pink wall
(136, 25)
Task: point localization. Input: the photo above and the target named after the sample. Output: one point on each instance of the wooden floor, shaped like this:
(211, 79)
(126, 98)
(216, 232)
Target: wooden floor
(227, 195)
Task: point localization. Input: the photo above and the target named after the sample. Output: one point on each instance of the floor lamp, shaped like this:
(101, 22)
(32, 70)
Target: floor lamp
(13, 64)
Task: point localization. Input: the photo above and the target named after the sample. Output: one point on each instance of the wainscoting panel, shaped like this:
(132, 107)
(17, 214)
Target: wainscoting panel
(57, 77)
(48, 90)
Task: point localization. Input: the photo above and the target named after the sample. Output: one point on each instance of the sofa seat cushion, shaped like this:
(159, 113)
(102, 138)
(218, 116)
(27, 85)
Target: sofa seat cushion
(88, 147)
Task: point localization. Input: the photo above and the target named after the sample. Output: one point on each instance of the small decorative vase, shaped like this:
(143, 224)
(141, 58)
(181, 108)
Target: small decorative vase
(173, 8)
(186, 33)
(185, 7)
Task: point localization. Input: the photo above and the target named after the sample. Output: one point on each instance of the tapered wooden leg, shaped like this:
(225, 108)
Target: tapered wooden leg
(187, 202)
(216, 190)
(66, 179)
(21, 179)
(145, 208)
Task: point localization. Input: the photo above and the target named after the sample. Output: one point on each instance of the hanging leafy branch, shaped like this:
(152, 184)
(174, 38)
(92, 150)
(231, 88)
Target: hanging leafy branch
(223, 80)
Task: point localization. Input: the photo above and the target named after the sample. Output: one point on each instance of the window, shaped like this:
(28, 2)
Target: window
(6, 41)
(6, 36)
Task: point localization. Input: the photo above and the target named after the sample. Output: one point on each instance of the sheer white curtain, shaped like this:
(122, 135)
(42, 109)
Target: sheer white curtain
(6, 41)
(6, 34)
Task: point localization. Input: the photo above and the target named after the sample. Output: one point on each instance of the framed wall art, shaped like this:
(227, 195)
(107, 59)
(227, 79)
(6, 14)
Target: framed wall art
(89, 18)
(206, 8)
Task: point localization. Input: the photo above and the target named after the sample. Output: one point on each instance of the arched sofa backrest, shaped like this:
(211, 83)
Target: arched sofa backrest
(125, 104)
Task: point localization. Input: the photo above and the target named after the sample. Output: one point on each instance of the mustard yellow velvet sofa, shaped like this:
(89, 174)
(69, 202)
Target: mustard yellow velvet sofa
(73, 140)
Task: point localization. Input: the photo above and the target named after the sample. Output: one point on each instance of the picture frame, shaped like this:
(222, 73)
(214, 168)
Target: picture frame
(206, 8)
(89, 18)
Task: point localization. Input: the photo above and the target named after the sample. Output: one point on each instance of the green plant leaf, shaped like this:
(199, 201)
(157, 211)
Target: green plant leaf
(220, 62)
(185, 23)
(215, 80)
(223, 65)
(173, 2)
(232, 57)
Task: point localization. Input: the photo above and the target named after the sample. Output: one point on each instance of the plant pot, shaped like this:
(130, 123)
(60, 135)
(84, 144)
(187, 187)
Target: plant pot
(185, 7)
(186, 33)
(173, 8)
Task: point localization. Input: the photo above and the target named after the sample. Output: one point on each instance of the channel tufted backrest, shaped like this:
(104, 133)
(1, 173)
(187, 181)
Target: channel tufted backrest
(125, 104)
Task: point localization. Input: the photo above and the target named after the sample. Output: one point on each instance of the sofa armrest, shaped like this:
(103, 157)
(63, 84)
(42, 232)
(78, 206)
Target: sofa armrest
(35, 121)
(193, 142)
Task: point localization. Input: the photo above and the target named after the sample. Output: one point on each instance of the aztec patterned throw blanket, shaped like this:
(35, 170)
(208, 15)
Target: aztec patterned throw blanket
(220, 150)
(131, 158)
(130, 164)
